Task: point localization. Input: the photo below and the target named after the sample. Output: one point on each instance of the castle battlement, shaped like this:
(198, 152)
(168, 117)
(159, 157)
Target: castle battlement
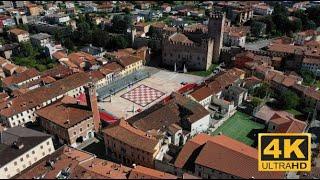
(203, 45)
(183, 44)
(216, 15)
(193, 30)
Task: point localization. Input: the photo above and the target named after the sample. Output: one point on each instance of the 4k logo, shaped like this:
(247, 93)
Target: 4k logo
(284, 152)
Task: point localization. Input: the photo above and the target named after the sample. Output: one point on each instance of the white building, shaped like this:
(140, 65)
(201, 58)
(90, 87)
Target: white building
(234, 39)
(21, 148)
(40, 39)
(18, 35)
(305, 36)
(312, 65)
(21, 109)
(262, 9)
(51, 48)
(58, 19)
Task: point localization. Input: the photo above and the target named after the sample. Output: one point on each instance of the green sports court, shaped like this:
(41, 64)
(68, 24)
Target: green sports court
(239, 127)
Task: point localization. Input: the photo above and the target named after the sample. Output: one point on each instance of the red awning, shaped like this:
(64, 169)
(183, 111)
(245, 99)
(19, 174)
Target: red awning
(186, 88)
(108, 117)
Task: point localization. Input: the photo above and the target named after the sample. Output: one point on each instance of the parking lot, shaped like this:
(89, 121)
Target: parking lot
(161, 80)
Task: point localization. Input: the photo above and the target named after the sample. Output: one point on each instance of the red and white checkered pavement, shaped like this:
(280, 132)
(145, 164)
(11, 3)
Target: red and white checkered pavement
(142, 95)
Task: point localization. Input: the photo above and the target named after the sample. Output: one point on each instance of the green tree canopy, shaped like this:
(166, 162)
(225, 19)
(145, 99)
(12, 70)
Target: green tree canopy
(120, 23)
(289, 99)
(313, 13)
(262, 91)
(308, 77)
(257, 28)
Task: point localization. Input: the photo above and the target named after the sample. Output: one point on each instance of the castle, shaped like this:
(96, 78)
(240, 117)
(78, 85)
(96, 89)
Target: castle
(194, 49)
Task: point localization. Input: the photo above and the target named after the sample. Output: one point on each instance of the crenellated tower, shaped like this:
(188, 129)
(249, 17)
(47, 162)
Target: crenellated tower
(215, 31)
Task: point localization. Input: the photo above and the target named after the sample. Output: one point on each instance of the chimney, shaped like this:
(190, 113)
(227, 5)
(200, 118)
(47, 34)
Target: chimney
(92, 103)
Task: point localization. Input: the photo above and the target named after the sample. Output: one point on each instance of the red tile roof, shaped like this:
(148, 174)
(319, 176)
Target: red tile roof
(18, 78)
(59, 54)
(140, 172)
(233, 157)
(17, 31)
(70, 114)
(187, 150)
(287, 124)
(217, 84)
(36, 97)
(131, 136)
(179, 37)
(80, 57)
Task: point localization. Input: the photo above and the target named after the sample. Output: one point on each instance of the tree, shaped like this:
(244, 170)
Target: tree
(289, 99)
(262, 91)
(28, 50)
(313, 14)
(279, 8)
(57, 36)
(121, 23)
(257, 28)
(296, 25)
(308, 77)
(282, 23)
(68, 44)
(119, 42)
(126, 10)
(100, 38)
(256, 101)
(24, 27)
(310, 24)
(270, 24)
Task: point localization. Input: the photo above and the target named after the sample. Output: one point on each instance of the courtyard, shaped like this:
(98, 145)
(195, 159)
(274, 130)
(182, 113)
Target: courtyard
(241, 127)
(145, 93)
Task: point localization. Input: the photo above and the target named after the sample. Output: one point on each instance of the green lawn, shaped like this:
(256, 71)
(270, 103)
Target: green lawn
(239, 127)
(204, 73)
(294, 112)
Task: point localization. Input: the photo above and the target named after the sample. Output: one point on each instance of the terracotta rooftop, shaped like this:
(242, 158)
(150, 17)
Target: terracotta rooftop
(62, 158)
(309, 32)
(163, 115)
(9, 67)
(312, 43)
(131, 136)
(111, 67)
(189, 148)
(159, 25)
(311, 61)
(70, 114)
(17, 31)
(179, 37)
(128, 60)
(141, 24)
(36, 97)
(101, 169)
(140, 172)
(59, 54)
(307, 91)
(232, 157)
(18, 78)
(287, 124)
(285, 48)
(79, 57)
(218, 83)
(58, 72)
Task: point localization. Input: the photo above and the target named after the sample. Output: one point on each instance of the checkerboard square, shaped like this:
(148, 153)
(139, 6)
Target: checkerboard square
(142, 95)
